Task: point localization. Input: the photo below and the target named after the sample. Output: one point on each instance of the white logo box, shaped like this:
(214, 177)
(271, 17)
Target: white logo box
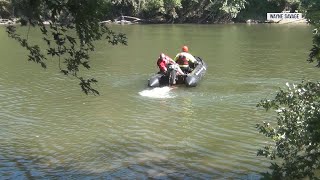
(280, 16)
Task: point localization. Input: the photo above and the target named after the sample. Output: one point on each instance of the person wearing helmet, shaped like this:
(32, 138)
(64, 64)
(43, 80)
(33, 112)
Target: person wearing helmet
(163, 63)
(185, 59)
(185, 49)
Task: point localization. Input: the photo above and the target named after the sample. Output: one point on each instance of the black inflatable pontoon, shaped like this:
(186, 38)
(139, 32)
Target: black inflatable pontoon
(190, 80)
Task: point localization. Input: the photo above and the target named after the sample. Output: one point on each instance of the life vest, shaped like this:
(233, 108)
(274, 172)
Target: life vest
(161, 64)
(182, 61)
(166, 61)
(159, 61)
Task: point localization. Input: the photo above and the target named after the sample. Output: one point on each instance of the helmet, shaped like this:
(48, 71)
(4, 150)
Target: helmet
(162, 56)
(185, 49)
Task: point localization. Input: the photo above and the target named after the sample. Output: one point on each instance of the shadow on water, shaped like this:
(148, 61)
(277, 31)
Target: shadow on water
(150, 165)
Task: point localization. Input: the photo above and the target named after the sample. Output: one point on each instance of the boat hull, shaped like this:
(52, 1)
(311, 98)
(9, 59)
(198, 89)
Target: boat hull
(191, 80)
(195, 76)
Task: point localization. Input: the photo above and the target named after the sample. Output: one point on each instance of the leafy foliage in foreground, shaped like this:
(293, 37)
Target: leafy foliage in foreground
(65, 17)
(313, 14)
(4, 8)
(296, 136)
(295, 147)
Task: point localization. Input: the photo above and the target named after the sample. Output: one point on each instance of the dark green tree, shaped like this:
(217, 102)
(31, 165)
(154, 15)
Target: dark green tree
(4, 8)
(313, 15)
(258, 10)
(295, 137)
(179, 11)
(64, 17)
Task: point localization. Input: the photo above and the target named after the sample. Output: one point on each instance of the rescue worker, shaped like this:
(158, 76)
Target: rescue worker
(163, 63)
(185, 60)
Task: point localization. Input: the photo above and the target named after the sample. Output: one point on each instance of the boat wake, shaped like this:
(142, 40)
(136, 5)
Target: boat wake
(159, 92)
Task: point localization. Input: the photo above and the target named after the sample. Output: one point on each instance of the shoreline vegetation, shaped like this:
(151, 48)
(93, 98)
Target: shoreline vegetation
(152, 11)
(129, 20)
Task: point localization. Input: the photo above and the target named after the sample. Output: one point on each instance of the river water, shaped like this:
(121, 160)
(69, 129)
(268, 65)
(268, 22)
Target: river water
(50, 129)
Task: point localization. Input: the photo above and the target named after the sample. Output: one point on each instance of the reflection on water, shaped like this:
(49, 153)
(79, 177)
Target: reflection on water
(49, 129)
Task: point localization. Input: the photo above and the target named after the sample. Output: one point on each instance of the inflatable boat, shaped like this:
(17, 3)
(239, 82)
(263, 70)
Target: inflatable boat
(190, 80)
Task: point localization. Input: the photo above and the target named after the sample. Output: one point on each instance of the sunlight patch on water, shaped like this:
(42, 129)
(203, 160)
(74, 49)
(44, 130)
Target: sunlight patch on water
(159, 92)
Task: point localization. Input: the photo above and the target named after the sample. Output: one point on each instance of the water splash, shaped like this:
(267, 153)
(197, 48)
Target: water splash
(159, 92)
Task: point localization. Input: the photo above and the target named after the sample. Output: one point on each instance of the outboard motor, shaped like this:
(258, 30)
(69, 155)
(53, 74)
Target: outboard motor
(154, 81)
(191, 81)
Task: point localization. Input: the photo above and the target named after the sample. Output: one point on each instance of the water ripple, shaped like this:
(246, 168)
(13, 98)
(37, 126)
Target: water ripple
(49, 129)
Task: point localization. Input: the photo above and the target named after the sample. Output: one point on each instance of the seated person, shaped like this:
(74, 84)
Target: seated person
(184, 64)
(192, 61)
(164, 61)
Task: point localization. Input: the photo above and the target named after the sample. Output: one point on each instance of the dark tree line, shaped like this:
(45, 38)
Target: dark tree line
(167, 11)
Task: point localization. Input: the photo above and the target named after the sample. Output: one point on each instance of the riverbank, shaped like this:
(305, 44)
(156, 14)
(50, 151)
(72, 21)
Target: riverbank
(290, 21)
(127, 20)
